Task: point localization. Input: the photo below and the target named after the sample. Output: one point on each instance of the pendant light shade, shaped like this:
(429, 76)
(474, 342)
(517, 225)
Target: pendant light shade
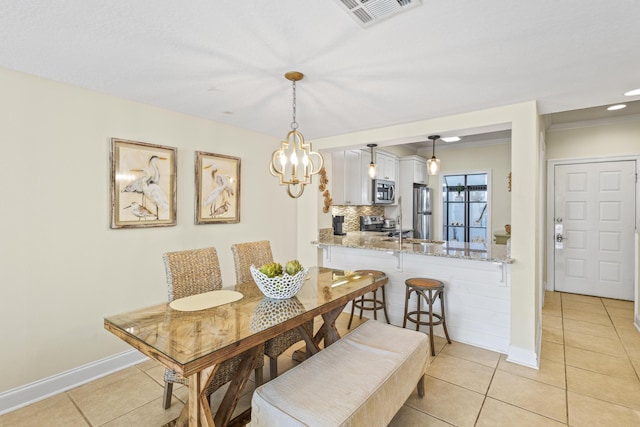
(433, 164)
(294, 163)
(372, 166)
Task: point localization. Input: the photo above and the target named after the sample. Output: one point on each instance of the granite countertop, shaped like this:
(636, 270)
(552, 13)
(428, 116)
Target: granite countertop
(451, 249)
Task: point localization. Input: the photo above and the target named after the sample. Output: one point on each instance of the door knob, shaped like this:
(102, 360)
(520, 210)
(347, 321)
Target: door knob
(560, 238)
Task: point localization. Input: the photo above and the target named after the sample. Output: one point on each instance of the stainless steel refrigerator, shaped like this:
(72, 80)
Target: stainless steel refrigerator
(421, 212)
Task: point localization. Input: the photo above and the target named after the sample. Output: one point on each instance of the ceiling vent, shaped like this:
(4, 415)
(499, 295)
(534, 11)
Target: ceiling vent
(369, 12)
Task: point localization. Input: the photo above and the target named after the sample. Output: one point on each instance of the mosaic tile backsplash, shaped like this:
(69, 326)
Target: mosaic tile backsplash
(352, 215)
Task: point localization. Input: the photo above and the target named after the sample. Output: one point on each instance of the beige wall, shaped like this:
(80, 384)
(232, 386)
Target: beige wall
(620, 138)
(62, 268)
(495, 158)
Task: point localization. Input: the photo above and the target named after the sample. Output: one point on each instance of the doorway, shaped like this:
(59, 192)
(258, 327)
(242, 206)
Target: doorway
(594, 215)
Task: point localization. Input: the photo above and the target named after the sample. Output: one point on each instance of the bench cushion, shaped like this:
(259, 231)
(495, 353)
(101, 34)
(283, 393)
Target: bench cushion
(361, 380)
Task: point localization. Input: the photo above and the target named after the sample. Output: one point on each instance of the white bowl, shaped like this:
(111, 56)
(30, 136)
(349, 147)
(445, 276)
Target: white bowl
(279, 287)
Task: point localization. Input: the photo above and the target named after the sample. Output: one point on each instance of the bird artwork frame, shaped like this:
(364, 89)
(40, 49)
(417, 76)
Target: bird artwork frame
(143, 184)
(217, 188)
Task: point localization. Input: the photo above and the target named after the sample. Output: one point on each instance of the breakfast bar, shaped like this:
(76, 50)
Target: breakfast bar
(477, 278)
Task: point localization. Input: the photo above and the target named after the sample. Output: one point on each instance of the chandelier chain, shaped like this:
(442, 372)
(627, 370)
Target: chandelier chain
(294, 124)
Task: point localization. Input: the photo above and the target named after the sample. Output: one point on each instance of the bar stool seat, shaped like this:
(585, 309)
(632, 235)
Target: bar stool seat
(373, 303)
(429, 289)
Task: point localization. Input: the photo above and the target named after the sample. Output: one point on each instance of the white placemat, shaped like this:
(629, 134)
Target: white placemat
(205, 300)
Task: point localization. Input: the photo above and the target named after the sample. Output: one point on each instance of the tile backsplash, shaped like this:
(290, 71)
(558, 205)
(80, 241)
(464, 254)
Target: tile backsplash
(352, 215)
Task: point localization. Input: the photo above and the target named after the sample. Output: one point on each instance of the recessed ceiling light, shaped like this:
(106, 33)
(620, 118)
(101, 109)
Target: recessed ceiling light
(632, 92)
(616, 107)
(451, 139)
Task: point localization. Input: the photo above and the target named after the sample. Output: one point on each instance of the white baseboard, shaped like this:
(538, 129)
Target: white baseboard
(523, 357)
(27, 394)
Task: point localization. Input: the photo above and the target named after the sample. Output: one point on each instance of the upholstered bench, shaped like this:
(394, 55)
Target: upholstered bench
(361, 380)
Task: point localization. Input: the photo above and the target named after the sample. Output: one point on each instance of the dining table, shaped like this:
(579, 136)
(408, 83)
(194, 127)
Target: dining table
(195, 343)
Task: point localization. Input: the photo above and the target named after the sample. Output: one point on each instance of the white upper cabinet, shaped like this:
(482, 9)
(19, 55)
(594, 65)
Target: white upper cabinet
(387, 165)
(347, 178)
(414, 170)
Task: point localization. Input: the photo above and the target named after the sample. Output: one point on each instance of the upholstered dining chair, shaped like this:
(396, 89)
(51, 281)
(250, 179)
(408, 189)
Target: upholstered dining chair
(259, 253)
(189, 273)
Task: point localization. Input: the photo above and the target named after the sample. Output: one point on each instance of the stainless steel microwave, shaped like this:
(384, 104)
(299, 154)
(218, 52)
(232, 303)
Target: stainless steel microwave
(384, 192)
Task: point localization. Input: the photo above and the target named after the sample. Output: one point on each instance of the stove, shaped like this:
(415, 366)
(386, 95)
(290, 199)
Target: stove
(371, 223)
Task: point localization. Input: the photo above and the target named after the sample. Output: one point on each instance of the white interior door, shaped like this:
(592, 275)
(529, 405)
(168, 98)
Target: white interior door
(594, 215)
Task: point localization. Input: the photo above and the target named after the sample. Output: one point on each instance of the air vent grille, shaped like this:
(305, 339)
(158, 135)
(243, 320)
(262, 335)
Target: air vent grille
(368, 12)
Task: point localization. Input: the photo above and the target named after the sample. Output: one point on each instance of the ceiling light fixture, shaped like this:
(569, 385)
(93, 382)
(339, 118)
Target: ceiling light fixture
(284, 161)
(372, 166)
(633, 92)
(451, 139)
(616, 107)
(433, 164)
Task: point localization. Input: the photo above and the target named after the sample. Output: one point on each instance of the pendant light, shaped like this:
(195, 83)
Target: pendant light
(285, 160)
(433, 164)
(372, 166)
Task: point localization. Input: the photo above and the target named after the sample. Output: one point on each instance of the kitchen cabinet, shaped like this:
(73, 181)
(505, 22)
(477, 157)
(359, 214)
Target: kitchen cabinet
(387, 164)
(347, 178)
(413, 169)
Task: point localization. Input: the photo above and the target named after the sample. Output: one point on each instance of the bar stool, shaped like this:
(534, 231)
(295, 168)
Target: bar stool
(376, 304)
(429, 289)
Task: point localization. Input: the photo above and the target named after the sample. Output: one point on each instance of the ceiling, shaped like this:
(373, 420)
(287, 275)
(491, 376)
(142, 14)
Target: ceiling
(225, 60)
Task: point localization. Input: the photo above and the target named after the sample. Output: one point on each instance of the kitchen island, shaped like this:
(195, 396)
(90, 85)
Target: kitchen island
(477, 280)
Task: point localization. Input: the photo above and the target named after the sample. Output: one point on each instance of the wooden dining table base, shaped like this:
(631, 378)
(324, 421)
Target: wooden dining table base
(197, 409)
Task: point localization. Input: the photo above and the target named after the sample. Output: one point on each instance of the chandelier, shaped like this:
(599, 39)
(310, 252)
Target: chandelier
(294, 162)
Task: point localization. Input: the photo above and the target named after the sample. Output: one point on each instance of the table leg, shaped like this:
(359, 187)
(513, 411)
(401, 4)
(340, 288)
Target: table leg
(328, 330)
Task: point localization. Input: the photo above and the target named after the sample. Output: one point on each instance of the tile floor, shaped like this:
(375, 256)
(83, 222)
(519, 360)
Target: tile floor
(589, 373)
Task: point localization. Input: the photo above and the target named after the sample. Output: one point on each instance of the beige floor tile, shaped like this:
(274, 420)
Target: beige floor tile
(552, 351)
(543, 399)
(617, 303)
(408, 416)
(495, 413)
(606, 345)
(600, 319)
(106, 399)
(581, 306)
(157, 373)
(148, 364)
(623, 322)
(551, 321)
(550, 372)
(552, 310)
(589, 328)
(471, 375)
(58, 410)
(552, 297)
(585, 411)
(626, 313)
(602, 363)
(439, 343)
(552, 334)
(636, 365)
(151, 414)
(604, 387)
(448, 402)
(581, 298)
(472, 354)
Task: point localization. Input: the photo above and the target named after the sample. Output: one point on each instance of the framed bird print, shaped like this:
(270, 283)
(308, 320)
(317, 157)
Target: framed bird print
(143, 184)
(217, 188)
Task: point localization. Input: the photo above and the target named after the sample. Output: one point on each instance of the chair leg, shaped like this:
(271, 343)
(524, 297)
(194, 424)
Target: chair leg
(444, 321)
(258, 376)
(273, 367)
(421, 387)
(431, 298)
(384, 306)
(166, 399)
(353, 306)
(407, 294)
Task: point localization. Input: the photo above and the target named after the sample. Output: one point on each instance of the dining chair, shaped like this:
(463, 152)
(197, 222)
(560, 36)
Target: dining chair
(189, 273)
(258, 254)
